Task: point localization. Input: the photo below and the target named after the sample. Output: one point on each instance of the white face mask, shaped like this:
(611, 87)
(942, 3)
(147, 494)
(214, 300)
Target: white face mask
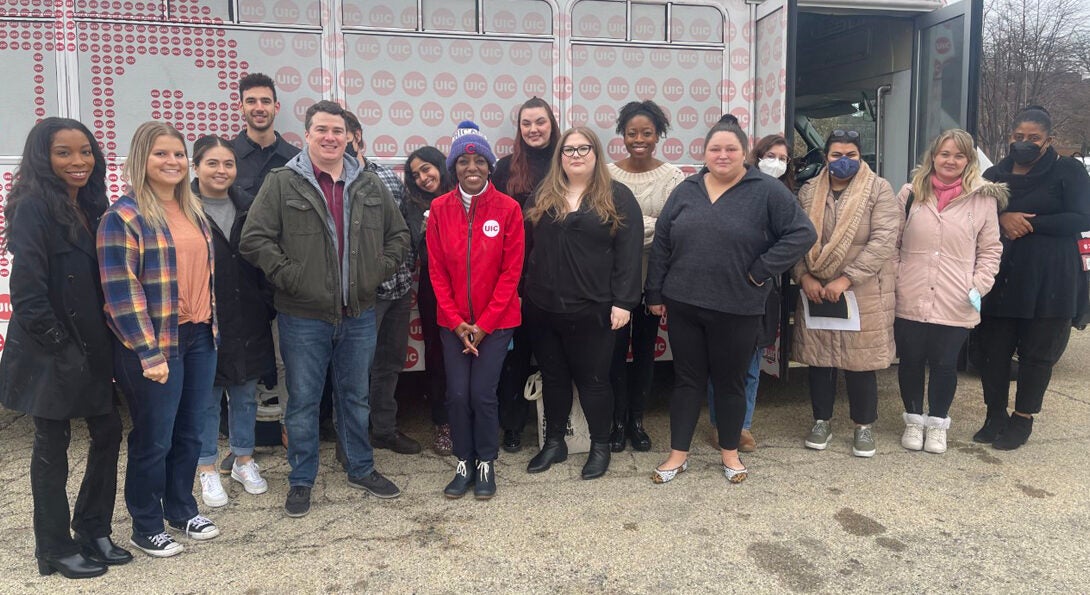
(772, 166)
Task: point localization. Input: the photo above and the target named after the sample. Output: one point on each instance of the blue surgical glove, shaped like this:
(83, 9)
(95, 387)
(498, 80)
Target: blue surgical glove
(974, 299)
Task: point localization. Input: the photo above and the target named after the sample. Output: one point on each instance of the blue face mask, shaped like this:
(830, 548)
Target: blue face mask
(843, 168)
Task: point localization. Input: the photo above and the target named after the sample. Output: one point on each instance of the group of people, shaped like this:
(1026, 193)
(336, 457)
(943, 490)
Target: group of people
(293, 268)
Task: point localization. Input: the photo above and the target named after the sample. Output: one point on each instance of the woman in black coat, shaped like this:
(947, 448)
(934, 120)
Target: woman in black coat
(244, 309)
(1040, 286)
(58, 358)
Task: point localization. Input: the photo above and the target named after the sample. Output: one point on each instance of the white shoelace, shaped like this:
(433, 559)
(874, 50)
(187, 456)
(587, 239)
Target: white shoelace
(482, 469)
(160, 540)
(461, 470)
(248, 471)
(196, 522)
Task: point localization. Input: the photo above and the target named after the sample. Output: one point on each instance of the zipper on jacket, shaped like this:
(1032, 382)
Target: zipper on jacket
(469, 251)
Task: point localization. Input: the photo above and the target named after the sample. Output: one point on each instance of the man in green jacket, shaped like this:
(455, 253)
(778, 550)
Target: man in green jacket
(326, 233)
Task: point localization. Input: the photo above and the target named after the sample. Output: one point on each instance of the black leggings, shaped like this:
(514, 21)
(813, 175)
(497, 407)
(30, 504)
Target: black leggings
(574, 347)
(514, 408)
(433, 350)
(632, 383)
(935, 346)
(1039, 341)
(862, 394)
(706, 342)
(49, 475)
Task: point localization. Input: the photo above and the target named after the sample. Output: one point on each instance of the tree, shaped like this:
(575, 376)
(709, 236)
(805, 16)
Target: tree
(1036, 52)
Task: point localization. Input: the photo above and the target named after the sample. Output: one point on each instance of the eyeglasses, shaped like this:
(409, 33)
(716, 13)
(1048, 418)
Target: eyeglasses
(571, 151)
(771, 155)
(847, 133)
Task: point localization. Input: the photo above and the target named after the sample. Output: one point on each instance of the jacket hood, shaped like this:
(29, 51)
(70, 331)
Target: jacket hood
(302, 165)
(997, 190)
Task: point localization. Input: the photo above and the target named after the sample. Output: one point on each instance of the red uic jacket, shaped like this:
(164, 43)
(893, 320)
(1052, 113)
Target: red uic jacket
(475, 259)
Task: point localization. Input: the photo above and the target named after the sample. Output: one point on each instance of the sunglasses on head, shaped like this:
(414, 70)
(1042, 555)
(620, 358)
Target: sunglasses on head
(847, 133)
(572, 151)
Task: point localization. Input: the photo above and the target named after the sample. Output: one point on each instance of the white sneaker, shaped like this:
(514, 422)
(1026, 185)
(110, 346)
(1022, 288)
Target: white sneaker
(936, 434)
(912, 439)
(212, 491)
(248, 475)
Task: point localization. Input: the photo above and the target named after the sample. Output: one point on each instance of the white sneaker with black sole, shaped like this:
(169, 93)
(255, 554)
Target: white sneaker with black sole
(161, 545)
(198, 528)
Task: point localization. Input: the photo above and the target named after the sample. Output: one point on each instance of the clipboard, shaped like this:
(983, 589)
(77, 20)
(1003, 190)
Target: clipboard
(825, 323)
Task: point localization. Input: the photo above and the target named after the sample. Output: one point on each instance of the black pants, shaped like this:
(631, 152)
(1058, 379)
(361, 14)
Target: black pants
(574, 347)
(862, 394)
(1040, 342)
(49, 477)
(632, 383)
(935, 346)
(471, 396)
(514, 408)
(708, 342)
(433, 349)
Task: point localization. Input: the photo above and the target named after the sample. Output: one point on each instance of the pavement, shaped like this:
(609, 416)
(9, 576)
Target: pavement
(973, 520)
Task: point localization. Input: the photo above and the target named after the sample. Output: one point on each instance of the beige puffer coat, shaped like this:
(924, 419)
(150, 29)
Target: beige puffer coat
(942, 256)
(869, 265)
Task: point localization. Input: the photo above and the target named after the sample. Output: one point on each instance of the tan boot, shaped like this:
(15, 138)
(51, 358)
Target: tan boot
(746, 442)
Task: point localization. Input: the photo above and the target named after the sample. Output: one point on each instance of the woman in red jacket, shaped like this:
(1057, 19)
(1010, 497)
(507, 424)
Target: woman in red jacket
(475, 243)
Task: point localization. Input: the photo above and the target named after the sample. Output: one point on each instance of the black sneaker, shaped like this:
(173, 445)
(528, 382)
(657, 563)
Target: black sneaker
(227, 464)
(463, 478)
(512, 440)
(161, 545)
(298, 502)
(375, 484)
(199, 528)
(398, 442)
(485, 487)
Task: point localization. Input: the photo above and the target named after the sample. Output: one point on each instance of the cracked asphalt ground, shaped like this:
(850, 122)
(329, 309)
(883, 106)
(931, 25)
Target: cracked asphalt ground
(972, 520)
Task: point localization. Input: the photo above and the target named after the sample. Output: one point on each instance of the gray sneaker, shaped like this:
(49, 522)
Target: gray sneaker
(820, 435)
(375, 484)
(863, 443)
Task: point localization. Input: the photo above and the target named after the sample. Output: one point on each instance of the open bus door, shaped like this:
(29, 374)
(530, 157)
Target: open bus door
(774, 110)
(946, 51)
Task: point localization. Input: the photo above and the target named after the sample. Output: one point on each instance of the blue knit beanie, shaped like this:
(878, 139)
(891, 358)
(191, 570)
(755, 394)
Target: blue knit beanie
(468, 139)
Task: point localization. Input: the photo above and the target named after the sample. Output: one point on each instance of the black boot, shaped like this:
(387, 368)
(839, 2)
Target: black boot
(640, 440)
(104, 551)
(512, 440)
(993, 426)
(485, 487)
(597, 460)
(617, 437)
(463, 478)
(74, 566)
(555, 450)
(1015, 434)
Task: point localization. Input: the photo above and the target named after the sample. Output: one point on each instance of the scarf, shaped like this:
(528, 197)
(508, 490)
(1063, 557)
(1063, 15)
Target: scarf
(824, 260)
(944, 193)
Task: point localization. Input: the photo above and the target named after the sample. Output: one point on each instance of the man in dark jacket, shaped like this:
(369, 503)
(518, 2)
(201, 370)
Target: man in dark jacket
(259, 149)
(326, 233)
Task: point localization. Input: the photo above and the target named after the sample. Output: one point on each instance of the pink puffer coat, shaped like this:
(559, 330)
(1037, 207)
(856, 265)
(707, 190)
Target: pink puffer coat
(941, 256)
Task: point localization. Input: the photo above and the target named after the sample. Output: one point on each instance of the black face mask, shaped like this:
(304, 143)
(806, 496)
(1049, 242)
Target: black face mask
(1024, 152)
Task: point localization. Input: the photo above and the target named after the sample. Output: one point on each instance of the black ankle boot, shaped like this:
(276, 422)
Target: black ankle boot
(640, 440)
(597, 460)
(993, 426)
(1015, 434)
(103, 550)
(555, 450)
(464, 477)
(617, 437)
(485, 487)
(74, 566)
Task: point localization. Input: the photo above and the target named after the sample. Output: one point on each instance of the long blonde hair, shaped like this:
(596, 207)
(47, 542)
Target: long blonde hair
(551, 195)
(136, 173)
(921, 177)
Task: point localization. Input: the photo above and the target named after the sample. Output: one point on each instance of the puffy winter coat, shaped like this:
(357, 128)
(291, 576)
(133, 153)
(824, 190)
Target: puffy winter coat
(869, 265)
(942, 256)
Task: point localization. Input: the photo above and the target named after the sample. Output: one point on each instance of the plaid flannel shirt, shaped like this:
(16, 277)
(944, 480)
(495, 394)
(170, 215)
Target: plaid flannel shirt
(139, 273)
(401, 281)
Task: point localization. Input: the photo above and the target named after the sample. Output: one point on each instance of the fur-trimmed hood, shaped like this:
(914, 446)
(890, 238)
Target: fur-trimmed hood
(997, 190)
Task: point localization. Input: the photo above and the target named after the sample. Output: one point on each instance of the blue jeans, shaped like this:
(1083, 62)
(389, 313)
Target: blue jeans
(753, 379)
(309, 348)
(165, 440)
(241, 417)
(472, 404)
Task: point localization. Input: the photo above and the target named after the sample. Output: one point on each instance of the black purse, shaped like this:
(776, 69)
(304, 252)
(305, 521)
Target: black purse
(770, 320)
